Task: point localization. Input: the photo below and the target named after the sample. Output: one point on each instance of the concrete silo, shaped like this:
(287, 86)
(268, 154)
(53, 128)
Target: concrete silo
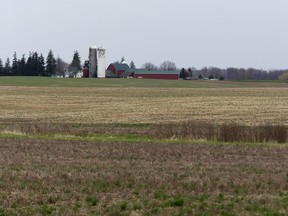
(101, 66)
(92, 61)
(97, 66)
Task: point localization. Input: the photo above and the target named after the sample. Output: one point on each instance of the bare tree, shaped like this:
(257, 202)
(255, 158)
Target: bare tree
(149, 66)
(168, 65)
(61, 66)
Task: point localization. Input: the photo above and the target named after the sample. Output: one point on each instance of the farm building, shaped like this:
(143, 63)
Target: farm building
(122, 70)
(95, 67)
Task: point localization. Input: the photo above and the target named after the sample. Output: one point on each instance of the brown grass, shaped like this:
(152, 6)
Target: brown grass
(83, 178)
(230, 132)
(249, 106)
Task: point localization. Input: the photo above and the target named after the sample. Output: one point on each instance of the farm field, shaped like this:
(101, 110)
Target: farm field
(91, 147)
(151, 102)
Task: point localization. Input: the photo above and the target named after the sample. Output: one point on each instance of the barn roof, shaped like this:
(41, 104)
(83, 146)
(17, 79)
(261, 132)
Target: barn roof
(143, 71)
(121, 66)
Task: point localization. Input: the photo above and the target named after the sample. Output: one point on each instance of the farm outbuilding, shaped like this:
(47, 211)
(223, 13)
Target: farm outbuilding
(122, 70)
(95, 67)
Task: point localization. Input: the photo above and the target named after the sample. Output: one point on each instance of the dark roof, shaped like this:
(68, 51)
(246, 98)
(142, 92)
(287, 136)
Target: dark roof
(143, 71)
(121, 67)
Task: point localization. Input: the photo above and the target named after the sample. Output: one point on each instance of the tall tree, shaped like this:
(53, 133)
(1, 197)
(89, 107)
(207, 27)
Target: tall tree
(168, 65)
(61, 66)
(76, 62)
(35, 64)
(183, 73)
(22, 65)
(190, 73)
(50, 64)
(15, 67)
(29, 65)
(1, 68)
(7, 68)
(149, 66)
(41, 65)
(132, 65)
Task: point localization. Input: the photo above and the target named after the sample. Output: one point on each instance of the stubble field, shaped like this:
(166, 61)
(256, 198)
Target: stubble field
(92, 150)
(143, 105)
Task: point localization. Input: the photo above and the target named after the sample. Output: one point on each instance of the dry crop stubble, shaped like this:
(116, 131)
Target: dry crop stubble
(170, 178)
(144, 105)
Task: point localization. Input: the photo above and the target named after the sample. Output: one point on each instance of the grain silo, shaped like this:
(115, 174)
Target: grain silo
(101, 66)
(92, 61)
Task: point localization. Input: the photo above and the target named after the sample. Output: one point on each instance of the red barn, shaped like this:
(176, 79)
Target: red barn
(156, 74)
(122, 70)
(118, 70)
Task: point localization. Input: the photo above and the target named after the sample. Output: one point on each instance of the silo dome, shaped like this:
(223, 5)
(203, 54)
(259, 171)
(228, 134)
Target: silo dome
(93, 47)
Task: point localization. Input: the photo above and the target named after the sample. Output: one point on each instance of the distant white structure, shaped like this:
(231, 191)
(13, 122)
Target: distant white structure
(101, 65)
(97, 66)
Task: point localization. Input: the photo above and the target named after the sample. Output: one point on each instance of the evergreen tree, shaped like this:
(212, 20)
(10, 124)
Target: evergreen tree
(7, 68)
(22, 66)
(183, 73)
(31, 68)
(211, 77)
(1, 68)
(34, 64)
(41, 65)
(50, 64)
(76, 62)
(190, 72)
(221, 78)
(28, 66)
(200, 76)
(15, 68)
(132, 65)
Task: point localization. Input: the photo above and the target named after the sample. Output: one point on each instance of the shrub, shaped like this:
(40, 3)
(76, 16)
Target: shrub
(221, 78)
(92, 200)
(123, 205)
(283, 76)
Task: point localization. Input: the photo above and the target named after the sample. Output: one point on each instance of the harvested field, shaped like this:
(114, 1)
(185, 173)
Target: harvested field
(144, 105)
(113, 178)
(133, 147)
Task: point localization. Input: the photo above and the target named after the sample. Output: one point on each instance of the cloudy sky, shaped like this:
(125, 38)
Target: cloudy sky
(191, 33)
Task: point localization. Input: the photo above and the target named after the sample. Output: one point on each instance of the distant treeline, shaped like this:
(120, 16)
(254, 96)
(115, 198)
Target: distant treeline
(233, 73)
(36, 65)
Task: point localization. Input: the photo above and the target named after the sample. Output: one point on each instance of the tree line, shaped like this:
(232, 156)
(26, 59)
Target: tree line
(37, 65)
(230, 73)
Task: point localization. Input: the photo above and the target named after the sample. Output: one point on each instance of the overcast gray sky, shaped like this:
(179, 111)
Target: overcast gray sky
(221, 33)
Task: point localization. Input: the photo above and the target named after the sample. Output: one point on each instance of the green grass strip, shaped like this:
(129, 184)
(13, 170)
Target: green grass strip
(130, 138)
